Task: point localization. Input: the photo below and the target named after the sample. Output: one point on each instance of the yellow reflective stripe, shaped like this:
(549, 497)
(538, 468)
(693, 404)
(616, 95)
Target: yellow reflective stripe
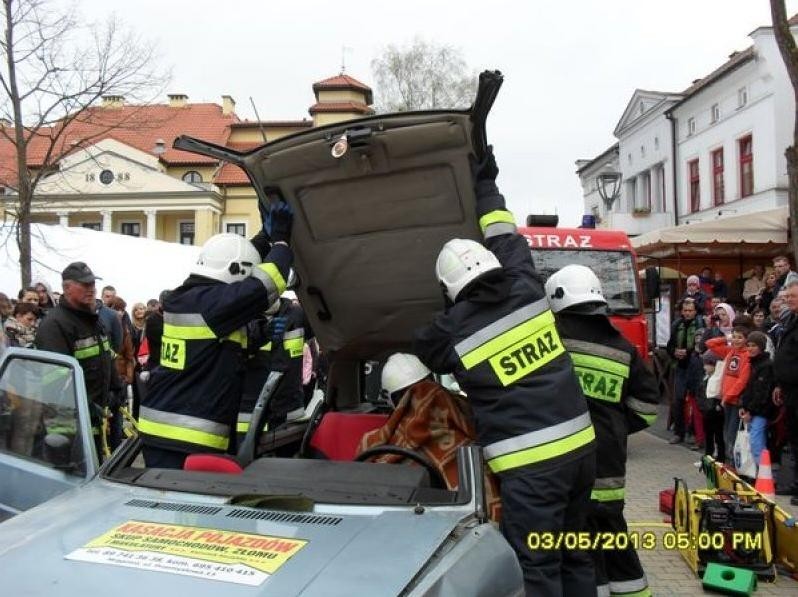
(239, 337)
(508, 338)
(293, 346)
(188, 332)
(86, 353)
(600, 363)
(649, 419)
(495, 217)
(544, 452)
(273, 272)
(267, 346)
(608, 495)
(191, 436)
(242, 426)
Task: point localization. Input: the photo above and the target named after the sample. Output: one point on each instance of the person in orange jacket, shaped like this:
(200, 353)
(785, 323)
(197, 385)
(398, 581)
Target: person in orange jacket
(736, 371)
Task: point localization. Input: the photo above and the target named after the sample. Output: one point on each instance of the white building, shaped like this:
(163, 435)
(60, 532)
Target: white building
(713, 150)
(732, 129)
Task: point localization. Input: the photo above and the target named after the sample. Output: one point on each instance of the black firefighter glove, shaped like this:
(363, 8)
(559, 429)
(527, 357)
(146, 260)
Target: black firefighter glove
(278, 222)
(485, 169)
(484, 173)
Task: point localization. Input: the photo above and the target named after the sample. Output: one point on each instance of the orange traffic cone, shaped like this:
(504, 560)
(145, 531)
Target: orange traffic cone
(764, 480)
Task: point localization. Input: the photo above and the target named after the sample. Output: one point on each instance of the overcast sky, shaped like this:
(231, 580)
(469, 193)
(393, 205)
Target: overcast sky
(570, 66)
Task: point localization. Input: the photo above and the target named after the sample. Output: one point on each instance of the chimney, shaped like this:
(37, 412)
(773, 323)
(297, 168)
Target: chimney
(177, 100)
(160, 147)
(113, 101)
(228, 105)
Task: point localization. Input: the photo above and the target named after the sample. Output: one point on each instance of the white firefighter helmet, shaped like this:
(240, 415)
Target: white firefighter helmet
(573, 285)
(460, 262)
(226, 257)
(402, 370)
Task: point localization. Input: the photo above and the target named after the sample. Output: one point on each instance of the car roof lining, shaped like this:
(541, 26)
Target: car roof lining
(368, 226)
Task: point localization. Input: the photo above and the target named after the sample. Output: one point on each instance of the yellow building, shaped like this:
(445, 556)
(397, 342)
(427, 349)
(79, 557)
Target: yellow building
(120, 173)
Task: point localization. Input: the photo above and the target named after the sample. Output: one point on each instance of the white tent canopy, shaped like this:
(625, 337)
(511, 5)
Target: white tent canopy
(138, 268)
(757, 233)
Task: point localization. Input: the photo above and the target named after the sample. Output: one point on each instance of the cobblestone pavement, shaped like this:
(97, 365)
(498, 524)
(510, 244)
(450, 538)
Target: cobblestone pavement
(652, 465)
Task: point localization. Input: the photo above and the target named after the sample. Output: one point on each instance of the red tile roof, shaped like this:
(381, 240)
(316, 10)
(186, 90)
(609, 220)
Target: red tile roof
(274, 124)
(343, 81)
(357, 107)
(230, 174)
(137, 126)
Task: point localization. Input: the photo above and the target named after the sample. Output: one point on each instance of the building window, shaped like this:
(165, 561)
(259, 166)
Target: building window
(643, 151)
(742, 97)
(239, 229)
(630, 158)
(131, 228)
(645, 193)
(715, 110)
(746, 166)
(656, 143)
(186, 236)
(691, 126)
(695, 189)
(192, 176)
(92, 226)
(658, 198)
(718, 193)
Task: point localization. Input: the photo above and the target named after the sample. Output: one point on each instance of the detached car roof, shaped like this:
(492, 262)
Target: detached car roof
(374, 199)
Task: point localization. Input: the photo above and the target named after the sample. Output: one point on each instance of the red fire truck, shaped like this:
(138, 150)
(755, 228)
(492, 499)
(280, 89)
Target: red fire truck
(611, 256)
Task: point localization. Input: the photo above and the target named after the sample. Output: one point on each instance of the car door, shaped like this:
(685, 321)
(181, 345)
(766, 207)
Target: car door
(46, 444)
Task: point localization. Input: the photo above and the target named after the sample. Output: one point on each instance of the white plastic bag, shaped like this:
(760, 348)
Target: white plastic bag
(743, 457)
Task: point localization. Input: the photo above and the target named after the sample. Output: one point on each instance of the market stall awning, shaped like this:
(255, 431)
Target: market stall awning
(759, 234)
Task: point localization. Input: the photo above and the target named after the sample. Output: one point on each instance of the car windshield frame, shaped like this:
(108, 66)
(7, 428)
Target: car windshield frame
(622, 292)
(52, 387)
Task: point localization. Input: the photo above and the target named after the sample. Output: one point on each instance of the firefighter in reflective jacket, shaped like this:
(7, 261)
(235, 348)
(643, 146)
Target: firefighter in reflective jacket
(622, 396)
(275, 343)
(498, 337)
(193, 396)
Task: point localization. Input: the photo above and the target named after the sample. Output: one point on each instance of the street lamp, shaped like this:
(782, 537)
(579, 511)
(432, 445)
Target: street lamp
(609, 187)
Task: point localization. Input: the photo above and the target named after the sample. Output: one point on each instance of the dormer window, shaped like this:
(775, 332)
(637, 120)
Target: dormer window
(691, 126)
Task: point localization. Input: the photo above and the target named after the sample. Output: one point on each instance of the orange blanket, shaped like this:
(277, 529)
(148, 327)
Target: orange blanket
(435, 423)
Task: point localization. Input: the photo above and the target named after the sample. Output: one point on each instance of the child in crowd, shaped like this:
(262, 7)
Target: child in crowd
(756, 406)
(708, 399)
(733, 381)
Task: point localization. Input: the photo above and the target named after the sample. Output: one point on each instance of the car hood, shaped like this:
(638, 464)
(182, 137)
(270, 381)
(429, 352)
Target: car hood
(141, 542)
(369, 223)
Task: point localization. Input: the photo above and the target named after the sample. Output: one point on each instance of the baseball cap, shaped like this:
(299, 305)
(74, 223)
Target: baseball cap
(79, 272)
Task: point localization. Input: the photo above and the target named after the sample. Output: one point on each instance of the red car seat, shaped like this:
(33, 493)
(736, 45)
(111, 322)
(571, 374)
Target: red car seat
(339, 433)
(212, 463)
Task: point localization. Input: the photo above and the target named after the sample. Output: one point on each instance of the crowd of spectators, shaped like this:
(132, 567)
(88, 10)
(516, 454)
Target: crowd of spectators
(723, 355)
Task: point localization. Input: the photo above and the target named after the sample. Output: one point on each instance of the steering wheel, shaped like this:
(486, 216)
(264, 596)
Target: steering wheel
(436, 477)
(310, 429)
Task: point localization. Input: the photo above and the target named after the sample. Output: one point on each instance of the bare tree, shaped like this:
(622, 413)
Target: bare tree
(54, 71)
(422, 76)
(789, 53)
